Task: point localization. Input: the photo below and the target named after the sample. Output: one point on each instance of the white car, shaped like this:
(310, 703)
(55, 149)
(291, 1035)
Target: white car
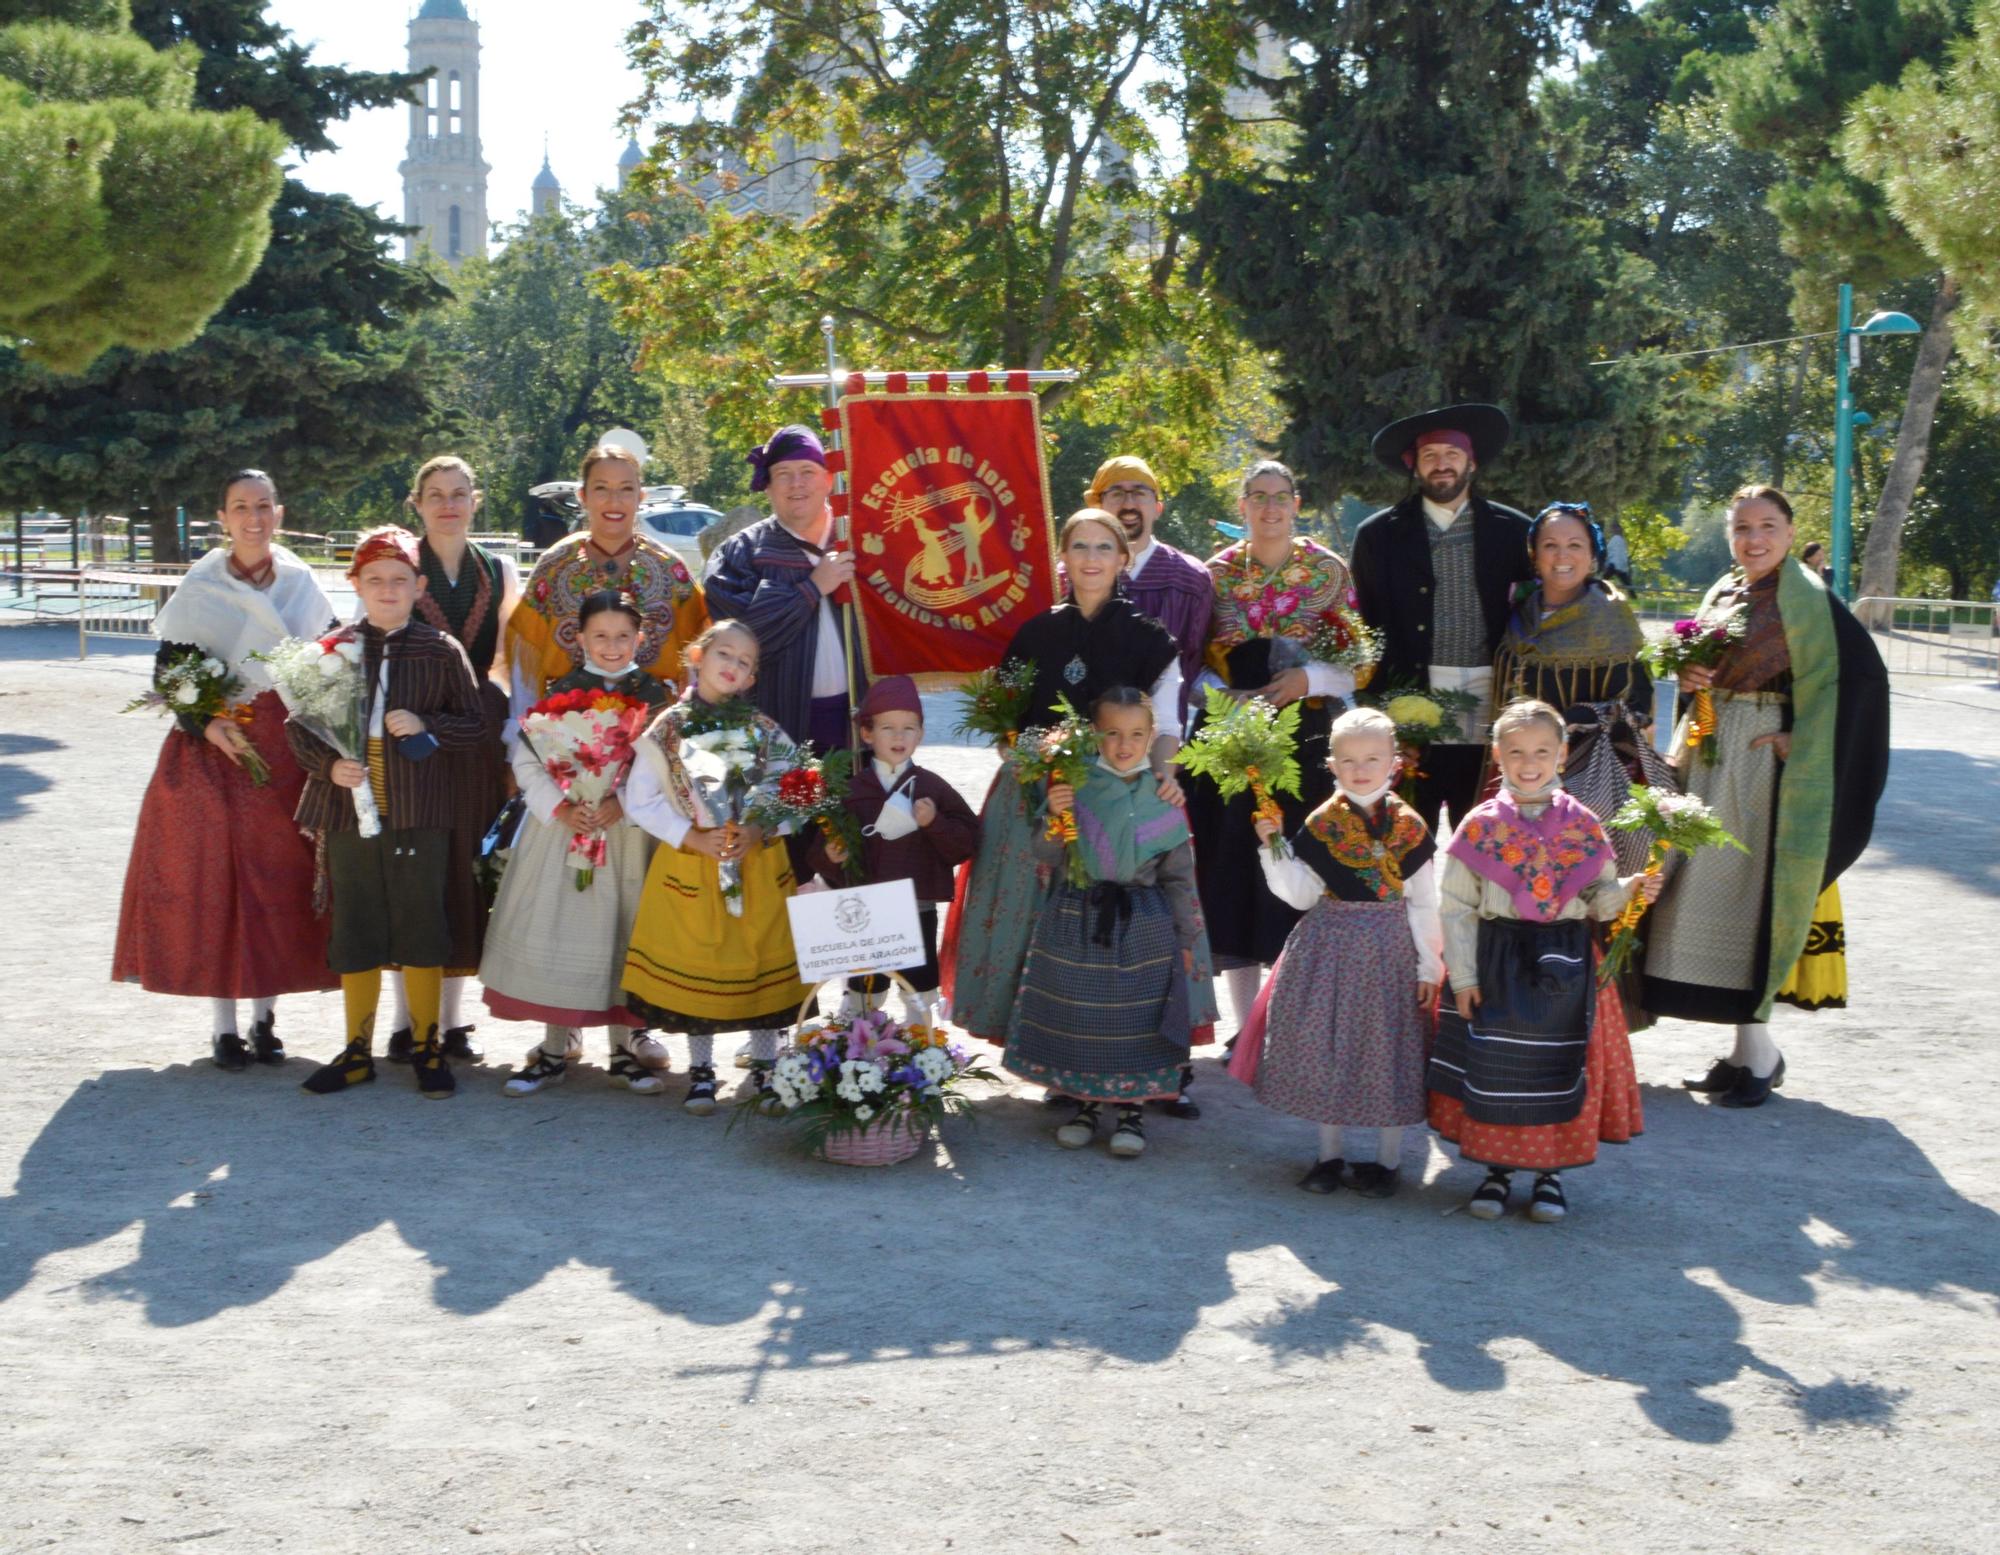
(666, 516)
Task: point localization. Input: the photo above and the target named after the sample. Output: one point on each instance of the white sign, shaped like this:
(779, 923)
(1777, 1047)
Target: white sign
(868, 928)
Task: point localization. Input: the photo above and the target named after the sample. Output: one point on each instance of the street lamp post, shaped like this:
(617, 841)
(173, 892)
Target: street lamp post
(1847, 356)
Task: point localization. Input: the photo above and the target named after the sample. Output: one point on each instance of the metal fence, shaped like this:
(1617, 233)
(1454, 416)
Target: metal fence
(110, 603)
(1946, 637)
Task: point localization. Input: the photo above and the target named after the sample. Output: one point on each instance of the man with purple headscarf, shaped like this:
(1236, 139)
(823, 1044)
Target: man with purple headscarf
(784, 578)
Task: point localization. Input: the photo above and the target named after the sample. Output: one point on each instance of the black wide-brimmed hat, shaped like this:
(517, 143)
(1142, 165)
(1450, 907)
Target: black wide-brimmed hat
(1486, 425)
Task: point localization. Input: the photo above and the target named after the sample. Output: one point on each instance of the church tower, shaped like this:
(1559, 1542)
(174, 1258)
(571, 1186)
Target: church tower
(545, 194)
(444, 178)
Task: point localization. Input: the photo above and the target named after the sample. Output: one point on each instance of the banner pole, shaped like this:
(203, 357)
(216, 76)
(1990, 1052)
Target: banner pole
(844, 534)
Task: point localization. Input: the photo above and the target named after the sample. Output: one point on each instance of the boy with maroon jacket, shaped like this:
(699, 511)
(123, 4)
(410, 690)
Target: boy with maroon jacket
(914, 825)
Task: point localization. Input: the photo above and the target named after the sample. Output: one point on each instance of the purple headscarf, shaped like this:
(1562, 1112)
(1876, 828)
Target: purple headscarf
(793, 442)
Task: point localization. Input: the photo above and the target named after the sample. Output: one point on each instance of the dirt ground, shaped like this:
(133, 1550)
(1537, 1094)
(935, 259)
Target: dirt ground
(236, 1317)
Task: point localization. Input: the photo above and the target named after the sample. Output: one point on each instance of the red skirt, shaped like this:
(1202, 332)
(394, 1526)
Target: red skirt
(1612, 1109)
(218, 892)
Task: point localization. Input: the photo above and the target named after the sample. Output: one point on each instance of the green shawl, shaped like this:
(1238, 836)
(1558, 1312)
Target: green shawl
(1838, 766)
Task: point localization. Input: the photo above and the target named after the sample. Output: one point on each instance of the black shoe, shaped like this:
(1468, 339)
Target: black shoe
(264, 1039)
(402, 1046)
(1722, 1076)
(701, 1090)
(768, 1104)
(1548, 1205)
(1180, 1106)
(1489, 1199)
(458, 1044)
(1749, 1091)
(434, 1080)
(1325, 1177)
(228, 1051)
(1373, 1180)
(355, 1066)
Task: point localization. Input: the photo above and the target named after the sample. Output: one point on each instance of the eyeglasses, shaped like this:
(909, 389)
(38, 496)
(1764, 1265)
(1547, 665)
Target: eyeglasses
(1127, 493)
(1266, 499)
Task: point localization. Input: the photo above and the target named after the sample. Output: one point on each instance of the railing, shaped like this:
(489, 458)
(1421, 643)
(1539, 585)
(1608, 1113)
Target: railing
(111, 603)
(1947, 637)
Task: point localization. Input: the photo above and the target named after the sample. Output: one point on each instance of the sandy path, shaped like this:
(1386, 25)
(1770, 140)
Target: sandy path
(238, 1318)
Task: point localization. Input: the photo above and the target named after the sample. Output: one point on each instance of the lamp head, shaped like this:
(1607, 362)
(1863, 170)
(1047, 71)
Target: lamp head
(1890, 324)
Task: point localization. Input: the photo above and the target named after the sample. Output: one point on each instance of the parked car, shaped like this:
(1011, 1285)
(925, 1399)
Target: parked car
(666, 516)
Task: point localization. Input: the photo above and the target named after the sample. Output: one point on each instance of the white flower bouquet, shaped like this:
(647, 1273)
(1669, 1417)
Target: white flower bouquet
(321, 684)
(732, 763)
(200, 687)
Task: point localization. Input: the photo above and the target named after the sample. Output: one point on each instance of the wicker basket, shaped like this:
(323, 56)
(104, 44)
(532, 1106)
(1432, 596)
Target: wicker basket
(894, 1138)
(885, 1139)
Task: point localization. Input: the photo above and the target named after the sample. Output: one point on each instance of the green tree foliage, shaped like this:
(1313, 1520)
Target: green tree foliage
(991, 190)
(1420, 243)
(1955, 521)
(133, 213)
(310, 369)
(1931, 144)
(534, 367)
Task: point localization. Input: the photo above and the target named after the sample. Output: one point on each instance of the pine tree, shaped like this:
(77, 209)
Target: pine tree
(1419, 245)
(1814, 59)
(310, 369)
(132, 213)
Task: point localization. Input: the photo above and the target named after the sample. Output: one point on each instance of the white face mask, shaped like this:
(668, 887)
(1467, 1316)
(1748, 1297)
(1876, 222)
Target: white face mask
(1367, 801)
(896, 819)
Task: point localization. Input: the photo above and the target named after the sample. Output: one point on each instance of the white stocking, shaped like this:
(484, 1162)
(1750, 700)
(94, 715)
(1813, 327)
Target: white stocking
(1244, 981)
(1389, 1147)
(556, 1039)
(222, 1016)
(262, 1010)
(1329, 1141)
(763, 1047)
(701, 1049)
(452, 1015)
(1755, 1050)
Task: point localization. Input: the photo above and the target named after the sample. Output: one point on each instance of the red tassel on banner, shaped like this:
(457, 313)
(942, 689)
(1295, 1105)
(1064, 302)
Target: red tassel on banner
(938, 383)
(899, 383)
(837, 504)
(830, 419)
(836, 461)
(978, 383)
(856, 384)
(1017, 382)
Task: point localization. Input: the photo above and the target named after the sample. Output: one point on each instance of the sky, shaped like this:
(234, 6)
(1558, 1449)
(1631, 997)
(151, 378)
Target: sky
(554, 70)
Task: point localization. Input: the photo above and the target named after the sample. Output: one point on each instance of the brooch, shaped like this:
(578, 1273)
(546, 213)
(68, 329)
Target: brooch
(1073, 672)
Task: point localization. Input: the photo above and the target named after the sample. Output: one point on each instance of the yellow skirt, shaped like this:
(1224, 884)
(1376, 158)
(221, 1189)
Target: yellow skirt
(695, 966)
(1818, 980)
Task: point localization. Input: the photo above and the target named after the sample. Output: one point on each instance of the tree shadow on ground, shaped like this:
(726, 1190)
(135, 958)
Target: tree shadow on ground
(1935, 792)
(18, 783)
(236, 1182)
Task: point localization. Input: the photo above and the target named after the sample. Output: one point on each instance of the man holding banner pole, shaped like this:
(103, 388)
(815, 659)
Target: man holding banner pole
(786, 578)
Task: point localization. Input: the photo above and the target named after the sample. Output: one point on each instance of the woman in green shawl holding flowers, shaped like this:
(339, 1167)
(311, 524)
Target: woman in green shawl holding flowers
(1793, 765)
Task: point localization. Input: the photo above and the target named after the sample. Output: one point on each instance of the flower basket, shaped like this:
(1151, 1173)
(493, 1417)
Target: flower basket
(890, 1138)
(863, 1090)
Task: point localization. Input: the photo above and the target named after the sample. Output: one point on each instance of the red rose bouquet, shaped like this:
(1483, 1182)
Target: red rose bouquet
(583, 740)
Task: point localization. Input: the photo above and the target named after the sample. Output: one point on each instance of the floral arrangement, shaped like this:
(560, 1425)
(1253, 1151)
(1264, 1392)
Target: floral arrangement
(1343, 638)
(193, 685)
(1691, 643)
(848, 1074)
(583, 740)
(1061, 753)
(1246, 743)
(814, 793)
(995, 699)
(732, 761)
(321, 684)
(1681, 821)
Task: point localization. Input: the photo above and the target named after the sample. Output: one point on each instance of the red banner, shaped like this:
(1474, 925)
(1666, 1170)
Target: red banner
(948, 506)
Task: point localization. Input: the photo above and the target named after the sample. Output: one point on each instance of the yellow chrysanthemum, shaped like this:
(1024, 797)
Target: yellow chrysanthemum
(1415, 709)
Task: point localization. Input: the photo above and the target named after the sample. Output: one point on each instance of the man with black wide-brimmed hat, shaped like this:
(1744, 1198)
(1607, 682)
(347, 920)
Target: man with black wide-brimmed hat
(1434, 574)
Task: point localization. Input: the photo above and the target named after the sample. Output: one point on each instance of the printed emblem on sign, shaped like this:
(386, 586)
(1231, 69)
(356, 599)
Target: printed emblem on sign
(1074, 671)
(957, 520)
(851, 914)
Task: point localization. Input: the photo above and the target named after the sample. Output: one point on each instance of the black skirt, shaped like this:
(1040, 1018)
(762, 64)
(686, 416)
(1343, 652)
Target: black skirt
(1247, 925)
(1521, 1062)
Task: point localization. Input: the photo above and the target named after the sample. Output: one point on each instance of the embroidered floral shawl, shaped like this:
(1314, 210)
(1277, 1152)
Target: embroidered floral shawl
(1379, 852)
(1541, 863)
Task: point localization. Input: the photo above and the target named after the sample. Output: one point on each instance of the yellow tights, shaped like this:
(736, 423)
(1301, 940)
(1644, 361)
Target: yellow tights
(361, 993)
